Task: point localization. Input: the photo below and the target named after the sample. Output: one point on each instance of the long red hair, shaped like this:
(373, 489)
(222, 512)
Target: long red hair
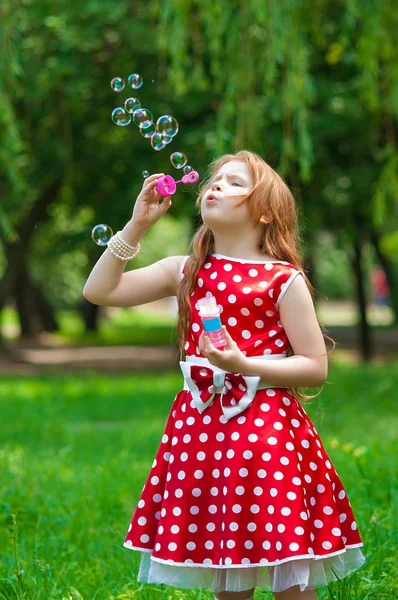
(270, 196)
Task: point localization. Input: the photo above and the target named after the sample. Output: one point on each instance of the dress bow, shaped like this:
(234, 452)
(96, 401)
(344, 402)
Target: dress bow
(237, 390)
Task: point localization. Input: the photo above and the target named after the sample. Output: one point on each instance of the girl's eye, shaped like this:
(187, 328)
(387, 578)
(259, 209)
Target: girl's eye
(236, 183)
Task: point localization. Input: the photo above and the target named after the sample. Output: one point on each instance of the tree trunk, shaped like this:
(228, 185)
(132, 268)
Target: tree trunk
(90, 313)
(388, 270)
(365, 337)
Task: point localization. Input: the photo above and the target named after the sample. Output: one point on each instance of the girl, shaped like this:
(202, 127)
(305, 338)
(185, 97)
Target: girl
(242, 493)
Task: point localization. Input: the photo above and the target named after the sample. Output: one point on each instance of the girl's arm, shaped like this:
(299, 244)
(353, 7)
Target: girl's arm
(309, 365)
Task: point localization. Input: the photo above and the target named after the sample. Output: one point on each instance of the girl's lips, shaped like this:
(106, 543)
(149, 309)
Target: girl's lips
(211, 199)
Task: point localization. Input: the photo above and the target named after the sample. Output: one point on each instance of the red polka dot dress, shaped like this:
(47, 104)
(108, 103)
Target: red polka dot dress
(241, 492)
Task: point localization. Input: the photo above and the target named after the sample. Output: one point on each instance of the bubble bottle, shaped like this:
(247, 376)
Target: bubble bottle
(209, 313)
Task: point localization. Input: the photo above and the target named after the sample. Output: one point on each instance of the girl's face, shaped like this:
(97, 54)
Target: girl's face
(232, 179)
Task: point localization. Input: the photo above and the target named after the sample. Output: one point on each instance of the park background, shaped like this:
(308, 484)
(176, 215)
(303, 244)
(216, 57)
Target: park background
(85, 390)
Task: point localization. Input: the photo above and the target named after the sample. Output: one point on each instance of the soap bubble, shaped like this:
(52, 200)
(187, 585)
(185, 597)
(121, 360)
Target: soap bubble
(132, 104)
(117, 84)
(145, 174)
(135, 81)
(167, 125)
(167, 138)
(187, 169)
(142, 117)
(157, 141)
(147, 132)
(101, 234)
(178, 160)
(121, 116)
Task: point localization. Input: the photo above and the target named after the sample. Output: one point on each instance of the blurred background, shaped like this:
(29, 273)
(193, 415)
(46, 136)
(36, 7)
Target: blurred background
(310, 86)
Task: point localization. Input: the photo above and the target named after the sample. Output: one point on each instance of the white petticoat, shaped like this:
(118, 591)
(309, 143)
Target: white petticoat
(307, 573)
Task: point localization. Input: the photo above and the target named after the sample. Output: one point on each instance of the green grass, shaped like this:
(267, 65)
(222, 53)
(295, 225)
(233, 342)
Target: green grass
(75, 451)
(127, 327)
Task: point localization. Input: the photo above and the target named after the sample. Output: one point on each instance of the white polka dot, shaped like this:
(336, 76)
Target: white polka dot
(354, 526)
(278, 425)
(296, 481)
(342, 517)
(255, 508)
(258, 422)
(295, 423)
(327, 510)
(289, 446)
(286, 401)
(278, 475)
(291, 495)
(341, 494)
(259, 324)
(326, 545)
(320, 488)
(272, 440)
(270, 392)
(278, 546)
(258, 491)
(313, 466)
(281, 528)
(269, 313)
(253, 437)
(271, 509)
(247, 454)
(299, 530)
(261, 473)
(328, 464)
(240, 490)
(265, 407)
(266, 545)
(285, 511)
(268, 527)
(336, 531)
(231, 298)
(293, 546)
(318, 523)
(305, 443)
(304, 515)
(284, 460)
(273, 492)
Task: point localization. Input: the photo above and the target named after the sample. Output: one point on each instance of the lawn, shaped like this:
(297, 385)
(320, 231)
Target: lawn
(75, 451)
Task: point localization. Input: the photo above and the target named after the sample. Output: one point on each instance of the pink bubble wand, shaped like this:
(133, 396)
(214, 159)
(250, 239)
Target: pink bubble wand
(167, 185)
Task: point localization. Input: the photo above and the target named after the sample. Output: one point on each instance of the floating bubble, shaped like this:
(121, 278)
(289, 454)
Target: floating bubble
(121, 116)
(187, 169)
(167, 125)
(143, 118)
(135, 81)
(178, 160)
(145, 174)
(117, 84)
(157, 141)
(101, 234)
(147, 132)
(167, 138)
(132, 104)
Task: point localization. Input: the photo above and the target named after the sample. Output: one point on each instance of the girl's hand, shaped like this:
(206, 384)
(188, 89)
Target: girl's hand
(147, 209)
(230, 359)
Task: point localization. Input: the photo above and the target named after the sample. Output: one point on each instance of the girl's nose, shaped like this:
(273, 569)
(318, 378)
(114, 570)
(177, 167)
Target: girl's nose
(216, 186)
